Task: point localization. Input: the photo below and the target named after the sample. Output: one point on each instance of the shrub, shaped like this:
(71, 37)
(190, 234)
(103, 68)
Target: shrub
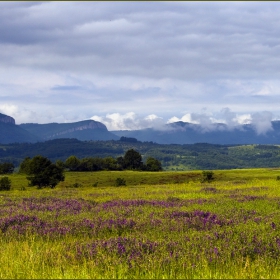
(120, 182)
(5, 184)
(207, 176)
(77, 185)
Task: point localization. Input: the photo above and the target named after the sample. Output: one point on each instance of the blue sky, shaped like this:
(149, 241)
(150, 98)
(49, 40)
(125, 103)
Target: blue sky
(140, 64)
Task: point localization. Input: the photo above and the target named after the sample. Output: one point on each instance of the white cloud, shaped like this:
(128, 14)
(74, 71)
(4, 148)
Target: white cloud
(130, 121)
(243, 119)
(262, 122)
(17, 112)
(116, 121)
(169, 59)
(8, 109)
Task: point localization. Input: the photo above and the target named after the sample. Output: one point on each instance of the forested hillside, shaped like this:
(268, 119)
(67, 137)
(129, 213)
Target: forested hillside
(172, 157)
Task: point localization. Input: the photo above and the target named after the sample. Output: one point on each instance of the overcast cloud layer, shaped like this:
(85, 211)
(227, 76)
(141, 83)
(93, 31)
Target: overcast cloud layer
(140, 64)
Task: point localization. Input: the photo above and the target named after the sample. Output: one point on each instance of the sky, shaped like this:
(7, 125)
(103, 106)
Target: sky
(133, 65)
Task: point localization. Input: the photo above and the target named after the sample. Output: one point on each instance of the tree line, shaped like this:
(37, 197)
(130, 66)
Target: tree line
(132, 160)
(42, 172)
(6, 168)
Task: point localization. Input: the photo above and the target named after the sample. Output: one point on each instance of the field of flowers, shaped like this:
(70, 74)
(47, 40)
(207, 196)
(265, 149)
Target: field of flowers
(223, 229)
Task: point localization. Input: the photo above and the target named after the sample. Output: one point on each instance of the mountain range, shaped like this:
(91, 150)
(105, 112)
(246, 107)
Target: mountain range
(173, 133)
(189, 133)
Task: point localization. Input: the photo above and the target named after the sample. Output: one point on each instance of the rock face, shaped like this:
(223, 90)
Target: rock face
(7, 119)
(83, 130)
(12, 133)
(80, 126)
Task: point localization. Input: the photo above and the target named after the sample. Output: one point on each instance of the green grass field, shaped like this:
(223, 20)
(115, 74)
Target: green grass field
(160, 225)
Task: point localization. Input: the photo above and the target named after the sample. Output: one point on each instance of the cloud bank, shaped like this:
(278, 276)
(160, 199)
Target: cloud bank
(204, 121)
(69, 61)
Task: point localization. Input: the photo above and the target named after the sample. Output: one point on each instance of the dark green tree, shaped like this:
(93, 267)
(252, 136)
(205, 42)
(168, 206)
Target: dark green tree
(24, 166)
(120, 163)
(60, 164)
(43, 173)
(133, 160)
(90, 164)
(110, 163)
(5, 184)
(153, 164)
(6, 168)
(72, 163)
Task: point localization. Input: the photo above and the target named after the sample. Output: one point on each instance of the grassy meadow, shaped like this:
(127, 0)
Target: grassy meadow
(160, 225)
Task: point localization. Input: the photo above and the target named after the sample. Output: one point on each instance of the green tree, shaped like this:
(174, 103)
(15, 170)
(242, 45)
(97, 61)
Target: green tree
(110, 163)
(72, 163)
(24, 166)
(5, 184)
(60, 164)
(133, 160)
(153, 164)
(43, 173)
(90, 164)
(120, 163)
(6, 168)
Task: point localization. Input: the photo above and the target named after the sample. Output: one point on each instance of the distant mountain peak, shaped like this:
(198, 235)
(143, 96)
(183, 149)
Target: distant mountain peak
(82, 130)
(7, 119)
(82, 125)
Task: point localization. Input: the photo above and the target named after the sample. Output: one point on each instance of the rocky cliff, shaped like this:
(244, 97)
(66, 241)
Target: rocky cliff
(12, 133)
(7, 119)
(79, 126)
(83, 130)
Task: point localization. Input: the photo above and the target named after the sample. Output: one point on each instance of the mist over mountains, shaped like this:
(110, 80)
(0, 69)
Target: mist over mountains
(188, 133)
(179, 132)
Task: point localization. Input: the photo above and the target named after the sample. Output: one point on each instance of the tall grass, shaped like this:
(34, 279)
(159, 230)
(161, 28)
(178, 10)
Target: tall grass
(229, 228)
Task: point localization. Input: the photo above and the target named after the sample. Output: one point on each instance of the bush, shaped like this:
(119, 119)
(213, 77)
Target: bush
(77, 185)
(207, 176)
(5, 184)
(120, 182)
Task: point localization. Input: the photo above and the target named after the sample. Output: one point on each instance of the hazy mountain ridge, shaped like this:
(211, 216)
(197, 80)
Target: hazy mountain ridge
(172, 133)
(217, 133)
(7, 119)
(34, 132)
(12, 133)
(83, 130)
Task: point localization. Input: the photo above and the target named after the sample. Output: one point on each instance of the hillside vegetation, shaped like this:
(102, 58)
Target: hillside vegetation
(173, 157)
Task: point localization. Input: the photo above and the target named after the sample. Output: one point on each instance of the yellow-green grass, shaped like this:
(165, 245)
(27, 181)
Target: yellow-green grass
(151, 228)
(133, 178)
